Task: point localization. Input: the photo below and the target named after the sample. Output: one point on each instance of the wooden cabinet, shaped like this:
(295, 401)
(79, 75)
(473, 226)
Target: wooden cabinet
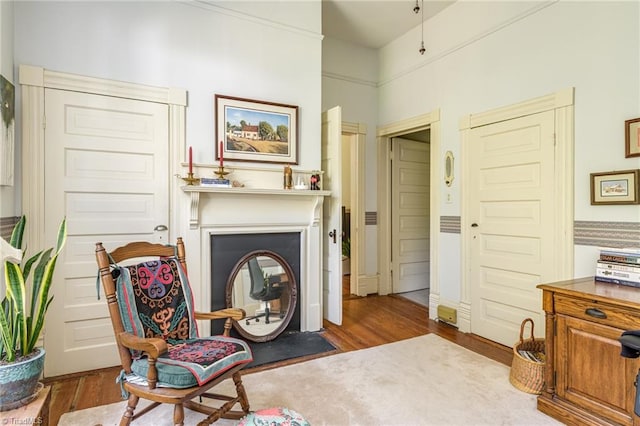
(587, 382)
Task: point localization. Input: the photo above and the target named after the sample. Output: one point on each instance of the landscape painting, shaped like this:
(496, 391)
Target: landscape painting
(256, 131)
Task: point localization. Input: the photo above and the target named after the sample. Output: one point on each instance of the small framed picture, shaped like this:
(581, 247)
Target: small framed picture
(632, 138)
(258, 131)
(619, 187)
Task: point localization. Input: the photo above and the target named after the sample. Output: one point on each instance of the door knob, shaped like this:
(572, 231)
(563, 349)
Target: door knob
(332, 234)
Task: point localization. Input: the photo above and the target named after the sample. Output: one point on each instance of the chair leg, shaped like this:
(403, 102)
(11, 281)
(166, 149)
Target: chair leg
(266, 314)
(242, 394)
(178, 415)
(128, 413)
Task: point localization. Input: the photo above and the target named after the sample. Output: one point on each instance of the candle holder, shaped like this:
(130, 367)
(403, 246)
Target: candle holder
(190, 179)
(221, 172)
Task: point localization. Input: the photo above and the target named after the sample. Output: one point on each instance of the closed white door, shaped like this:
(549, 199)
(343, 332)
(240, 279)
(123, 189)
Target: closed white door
(410, 215)
(106, 171)
(332, 215)
(512, 223)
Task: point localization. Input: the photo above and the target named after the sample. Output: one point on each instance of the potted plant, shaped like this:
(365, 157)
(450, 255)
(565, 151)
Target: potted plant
(22, 316)
(346, 256)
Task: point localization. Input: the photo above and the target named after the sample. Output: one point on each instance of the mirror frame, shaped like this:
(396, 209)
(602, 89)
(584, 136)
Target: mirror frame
(293, 290)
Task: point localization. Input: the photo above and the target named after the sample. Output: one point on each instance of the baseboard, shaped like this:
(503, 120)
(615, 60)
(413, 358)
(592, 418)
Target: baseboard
(367, 284)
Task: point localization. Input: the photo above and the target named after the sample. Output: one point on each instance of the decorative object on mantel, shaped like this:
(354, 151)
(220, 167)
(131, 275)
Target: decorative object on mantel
(632, 138)
(288, 177)
(315, 184)
(257, 131)
(617, 187)
(190, 179)
(215, 182)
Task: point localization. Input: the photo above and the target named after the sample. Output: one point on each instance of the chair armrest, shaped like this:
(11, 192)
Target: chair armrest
(233, 313)
(154, 346)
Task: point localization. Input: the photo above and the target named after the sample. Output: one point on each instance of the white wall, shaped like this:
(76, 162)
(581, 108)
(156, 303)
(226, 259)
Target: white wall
(482, 56)
(268, 52)
(349, 79)
(7, 193)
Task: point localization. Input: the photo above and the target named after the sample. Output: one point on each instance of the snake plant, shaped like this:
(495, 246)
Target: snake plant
(23, 309)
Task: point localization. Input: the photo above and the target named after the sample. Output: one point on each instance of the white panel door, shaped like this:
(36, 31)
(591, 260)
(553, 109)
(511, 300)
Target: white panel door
(106, 170)
(512, 215)
(410, 215)
(332, 215)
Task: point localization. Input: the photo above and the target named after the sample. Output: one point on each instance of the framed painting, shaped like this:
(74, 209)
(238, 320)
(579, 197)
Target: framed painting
(619, 187)
(632, 138)
(7, 138)
(258, 131)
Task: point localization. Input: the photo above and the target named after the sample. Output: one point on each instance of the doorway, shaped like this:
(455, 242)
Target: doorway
(517, 212)
(93, 142)
(410, 187)
(415, 128)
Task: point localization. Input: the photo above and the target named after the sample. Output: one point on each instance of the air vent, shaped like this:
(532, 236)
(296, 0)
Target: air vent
(447, 314)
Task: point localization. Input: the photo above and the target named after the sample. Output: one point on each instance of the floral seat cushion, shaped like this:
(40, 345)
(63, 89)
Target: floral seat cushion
(278, 416)
(194, 362)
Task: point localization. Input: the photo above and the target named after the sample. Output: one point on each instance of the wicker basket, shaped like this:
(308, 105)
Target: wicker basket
(527, 375)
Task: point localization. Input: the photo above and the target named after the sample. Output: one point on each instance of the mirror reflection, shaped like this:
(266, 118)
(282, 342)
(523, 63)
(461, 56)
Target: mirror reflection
(262, 284)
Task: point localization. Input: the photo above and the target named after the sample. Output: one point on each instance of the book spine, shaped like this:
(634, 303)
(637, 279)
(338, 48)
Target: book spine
(617, 281)
(623, 275)
(626, 267)
(620, 258)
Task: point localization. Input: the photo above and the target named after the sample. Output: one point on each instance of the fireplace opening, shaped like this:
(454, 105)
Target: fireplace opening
(228, 249)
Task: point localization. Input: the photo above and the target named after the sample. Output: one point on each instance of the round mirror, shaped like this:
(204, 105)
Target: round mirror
(262, 284)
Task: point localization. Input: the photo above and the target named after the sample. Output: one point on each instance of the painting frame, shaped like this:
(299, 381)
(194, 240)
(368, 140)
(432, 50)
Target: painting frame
(7, 129)
(632, 138)
(617, 187)
(247, 142)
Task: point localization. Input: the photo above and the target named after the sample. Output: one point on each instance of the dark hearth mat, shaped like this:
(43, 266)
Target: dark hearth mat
(288, 345)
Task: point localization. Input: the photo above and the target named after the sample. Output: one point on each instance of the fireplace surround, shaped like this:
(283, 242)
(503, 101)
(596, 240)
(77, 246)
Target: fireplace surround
(228, 249)
(226, 212)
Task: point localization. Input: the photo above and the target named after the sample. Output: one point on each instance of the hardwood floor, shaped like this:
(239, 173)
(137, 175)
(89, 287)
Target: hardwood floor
(367, 321)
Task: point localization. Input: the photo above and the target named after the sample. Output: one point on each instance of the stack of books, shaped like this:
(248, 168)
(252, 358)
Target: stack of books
(215, 182)
(619, 266)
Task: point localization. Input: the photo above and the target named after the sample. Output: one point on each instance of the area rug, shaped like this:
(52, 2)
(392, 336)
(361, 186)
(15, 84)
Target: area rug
(425, 380)
(289, 345)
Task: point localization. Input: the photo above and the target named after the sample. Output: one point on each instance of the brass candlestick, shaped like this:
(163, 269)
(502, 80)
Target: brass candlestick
(190, 179)
(221, 172)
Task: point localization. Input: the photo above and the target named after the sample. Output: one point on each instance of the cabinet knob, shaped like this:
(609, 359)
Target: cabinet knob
(596, 313)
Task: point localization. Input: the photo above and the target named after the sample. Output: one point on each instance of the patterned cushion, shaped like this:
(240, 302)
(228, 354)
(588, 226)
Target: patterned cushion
(155, 300)
(279, 416)
(196, 361)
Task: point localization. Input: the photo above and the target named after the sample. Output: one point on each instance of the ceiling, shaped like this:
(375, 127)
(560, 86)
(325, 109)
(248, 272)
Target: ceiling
(374, 23)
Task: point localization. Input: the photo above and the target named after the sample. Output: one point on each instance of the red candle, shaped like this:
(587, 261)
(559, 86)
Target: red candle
(190, 160)
(221, 154)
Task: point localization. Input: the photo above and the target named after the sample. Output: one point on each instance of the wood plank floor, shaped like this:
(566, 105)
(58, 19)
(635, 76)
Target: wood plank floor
(367, 321)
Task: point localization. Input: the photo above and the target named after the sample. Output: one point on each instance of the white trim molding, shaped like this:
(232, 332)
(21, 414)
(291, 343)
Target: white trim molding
(385, 133)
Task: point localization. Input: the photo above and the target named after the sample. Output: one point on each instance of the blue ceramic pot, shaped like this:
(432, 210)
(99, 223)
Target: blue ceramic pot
(19, 381)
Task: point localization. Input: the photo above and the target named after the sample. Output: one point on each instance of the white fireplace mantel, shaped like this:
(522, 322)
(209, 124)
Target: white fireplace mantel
(195, 191)
(249, 210)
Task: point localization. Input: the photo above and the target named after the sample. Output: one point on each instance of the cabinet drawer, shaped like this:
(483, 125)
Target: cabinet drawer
(598, 312)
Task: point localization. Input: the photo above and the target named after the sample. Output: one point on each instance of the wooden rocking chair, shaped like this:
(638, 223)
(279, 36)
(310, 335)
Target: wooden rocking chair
(154, 322)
